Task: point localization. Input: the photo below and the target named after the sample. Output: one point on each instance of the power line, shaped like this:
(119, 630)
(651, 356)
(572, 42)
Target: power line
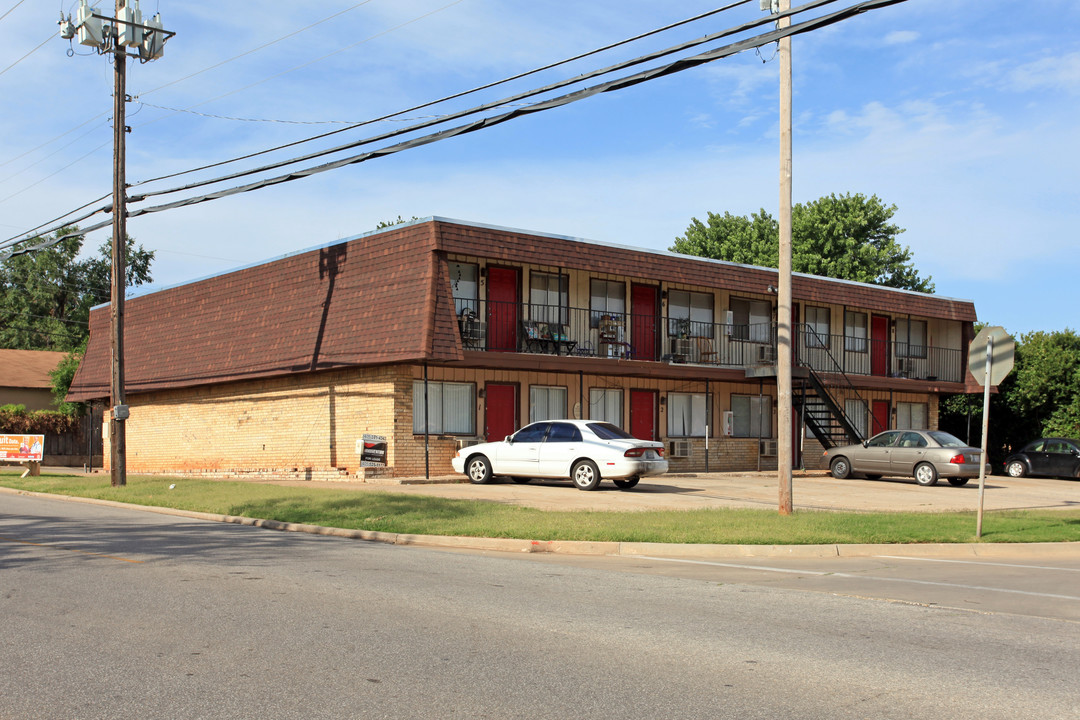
(457, 95)
(29, 53)
(620, 83)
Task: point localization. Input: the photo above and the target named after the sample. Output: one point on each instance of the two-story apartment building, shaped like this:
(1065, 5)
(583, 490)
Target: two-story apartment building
(439, 333)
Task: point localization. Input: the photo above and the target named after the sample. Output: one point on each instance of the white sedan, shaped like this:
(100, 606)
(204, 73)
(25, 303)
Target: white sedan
(583, 450)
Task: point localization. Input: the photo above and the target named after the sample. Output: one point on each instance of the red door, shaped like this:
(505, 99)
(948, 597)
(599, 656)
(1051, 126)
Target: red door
(879, 345)
(643, 414)
(880, 417)
(644, 317)
(502, 309)
(500, 411)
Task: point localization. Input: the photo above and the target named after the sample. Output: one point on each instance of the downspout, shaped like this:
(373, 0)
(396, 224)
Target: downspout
(427, 455)
(708, 419)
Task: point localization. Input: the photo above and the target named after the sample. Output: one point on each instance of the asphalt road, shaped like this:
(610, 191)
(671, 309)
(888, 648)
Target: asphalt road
(118, 613)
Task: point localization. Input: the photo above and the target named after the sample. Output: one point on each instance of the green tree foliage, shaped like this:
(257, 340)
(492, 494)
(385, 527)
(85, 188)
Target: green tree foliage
(46, 295)
(1039, 398)
(848, 237)
(61, 381)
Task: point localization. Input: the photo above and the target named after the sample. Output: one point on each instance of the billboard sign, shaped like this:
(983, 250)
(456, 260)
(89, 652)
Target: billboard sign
(22, 447)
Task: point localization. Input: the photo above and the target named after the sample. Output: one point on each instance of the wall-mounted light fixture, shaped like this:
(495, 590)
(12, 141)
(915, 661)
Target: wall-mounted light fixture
(483, 270)
(663, 401)
(480, 393)
(771, 289)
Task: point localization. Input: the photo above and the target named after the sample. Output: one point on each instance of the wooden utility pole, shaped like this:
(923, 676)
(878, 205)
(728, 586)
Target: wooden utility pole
(783, 301)
(117, 434)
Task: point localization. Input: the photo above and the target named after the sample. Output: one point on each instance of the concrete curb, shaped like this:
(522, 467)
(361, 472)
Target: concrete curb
(620, 549)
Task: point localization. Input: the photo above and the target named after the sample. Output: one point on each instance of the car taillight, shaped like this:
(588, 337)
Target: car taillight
(659, 451)
(634, 452)
(957, 459)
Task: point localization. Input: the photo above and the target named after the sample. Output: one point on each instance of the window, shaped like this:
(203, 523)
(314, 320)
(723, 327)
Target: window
(751, 416)
(911, 338)
(687, 415)
(606, 297)
(532, 433)
(548, 297)
(751, 320)
(911, 415)
(606, 405)
(451, 408)
(817, 327)
(564, 432)
(690, 313)
(466, 289)
(855, 334)
(546, 403)
(885, 439)
(857, 413)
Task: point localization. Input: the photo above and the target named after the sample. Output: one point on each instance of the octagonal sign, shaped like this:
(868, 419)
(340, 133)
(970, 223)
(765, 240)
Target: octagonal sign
(1002, 354)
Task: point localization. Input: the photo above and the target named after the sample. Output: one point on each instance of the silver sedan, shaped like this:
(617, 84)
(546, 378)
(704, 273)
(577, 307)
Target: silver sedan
(925, 455)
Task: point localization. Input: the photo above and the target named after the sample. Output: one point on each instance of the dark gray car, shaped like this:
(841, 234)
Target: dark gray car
(924, 455)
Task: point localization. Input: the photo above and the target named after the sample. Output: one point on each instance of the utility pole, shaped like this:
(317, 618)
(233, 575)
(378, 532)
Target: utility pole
(114, 35)
(117, 424)
(784, 449)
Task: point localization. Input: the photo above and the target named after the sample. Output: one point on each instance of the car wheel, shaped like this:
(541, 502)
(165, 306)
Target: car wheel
(925, 474)
(840, 468)
(585, 475)
(478, 469)
(626, 483)
(958, 482)
(1016, 469)
(520, 480)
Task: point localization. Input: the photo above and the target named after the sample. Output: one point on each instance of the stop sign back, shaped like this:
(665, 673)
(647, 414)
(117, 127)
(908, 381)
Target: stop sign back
(1002, 353)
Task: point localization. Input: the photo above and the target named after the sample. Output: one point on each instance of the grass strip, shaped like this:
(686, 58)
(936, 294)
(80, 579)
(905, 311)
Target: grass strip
(422, 515)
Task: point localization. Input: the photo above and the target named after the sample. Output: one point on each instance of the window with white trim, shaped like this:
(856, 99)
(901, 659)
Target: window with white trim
(606, 297)
(751, 320)
(751, 416)
(690, 312)
(855, 331)
(687, 414)
(546, 403)
(857, 413)
(548, 297)
(911, 338)
(606, 404)
(451, 408)
(911, 416)
(817, 327)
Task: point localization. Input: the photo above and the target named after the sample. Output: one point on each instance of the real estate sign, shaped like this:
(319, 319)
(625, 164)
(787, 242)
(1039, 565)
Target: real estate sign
(372, 450)
(22, 447)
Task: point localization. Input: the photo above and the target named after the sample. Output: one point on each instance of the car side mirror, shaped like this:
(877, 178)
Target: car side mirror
(509, 440)
(866, 443)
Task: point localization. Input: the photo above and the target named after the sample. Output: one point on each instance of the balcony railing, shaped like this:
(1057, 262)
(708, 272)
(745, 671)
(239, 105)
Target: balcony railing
(534, 328)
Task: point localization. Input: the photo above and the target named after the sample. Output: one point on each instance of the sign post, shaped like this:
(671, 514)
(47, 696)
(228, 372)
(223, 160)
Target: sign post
(990, 360)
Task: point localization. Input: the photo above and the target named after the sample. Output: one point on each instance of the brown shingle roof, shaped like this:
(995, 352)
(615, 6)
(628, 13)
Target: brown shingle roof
(385, 297)
(28, 368)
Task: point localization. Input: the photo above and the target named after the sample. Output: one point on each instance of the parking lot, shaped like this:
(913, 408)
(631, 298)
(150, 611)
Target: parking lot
(810, 490)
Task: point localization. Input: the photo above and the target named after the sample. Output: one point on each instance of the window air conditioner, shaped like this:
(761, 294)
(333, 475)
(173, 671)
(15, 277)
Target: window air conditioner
(466, 442)
(766, 353)
(680, 449)
(767, 447)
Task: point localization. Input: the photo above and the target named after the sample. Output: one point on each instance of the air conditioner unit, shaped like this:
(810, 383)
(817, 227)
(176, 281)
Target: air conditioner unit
(767, 447)
(766, 354)
(679, 449)
(466, 442)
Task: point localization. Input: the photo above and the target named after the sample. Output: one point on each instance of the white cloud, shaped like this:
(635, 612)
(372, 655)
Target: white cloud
(901, 37)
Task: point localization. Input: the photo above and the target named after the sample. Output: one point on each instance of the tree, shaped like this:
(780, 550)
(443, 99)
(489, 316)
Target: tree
(1039, 398)
(847, 237)
(46, 295)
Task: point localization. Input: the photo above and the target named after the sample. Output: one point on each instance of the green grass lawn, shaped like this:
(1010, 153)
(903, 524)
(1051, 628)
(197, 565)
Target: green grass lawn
(421, 515)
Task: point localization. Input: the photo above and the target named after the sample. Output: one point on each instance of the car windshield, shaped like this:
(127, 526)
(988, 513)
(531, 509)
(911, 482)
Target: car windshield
(607, 431)
(944, 439)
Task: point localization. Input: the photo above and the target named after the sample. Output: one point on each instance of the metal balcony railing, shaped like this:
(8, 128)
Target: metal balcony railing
(558, 330)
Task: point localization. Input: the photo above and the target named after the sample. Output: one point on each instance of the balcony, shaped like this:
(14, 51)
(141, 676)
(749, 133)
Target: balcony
(546, 329)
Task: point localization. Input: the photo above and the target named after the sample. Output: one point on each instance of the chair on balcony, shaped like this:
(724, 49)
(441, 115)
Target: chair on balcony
(704, 349)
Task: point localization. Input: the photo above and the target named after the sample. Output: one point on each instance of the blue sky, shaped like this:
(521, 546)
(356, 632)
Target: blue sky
(962, 113)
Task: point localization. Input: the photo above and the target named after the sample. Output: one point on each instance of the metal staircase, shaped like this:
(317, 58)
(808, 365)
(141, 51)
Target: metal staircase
(821, 413)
